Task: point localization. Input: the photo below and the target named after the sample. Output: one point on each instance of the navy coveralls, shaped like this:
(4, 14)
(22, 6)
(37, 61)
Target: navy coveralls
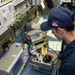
(67, 57)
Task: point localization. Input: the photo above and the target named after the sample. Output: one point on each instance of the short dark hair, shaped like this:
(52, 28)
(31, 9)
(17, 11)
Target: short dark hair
(71, 28)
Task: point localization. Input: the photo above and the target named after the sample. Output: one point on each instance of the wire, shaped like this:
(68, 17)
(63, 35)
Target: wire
(19, 23)
(14, 27)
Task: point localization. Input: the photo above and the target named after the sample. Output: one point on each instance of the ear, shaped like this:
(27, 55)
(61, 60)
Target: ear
(60, 31)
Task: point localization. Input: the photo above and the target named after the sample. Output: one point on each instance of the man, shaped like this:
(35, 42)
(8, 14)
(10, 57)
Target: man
(60, 21)
(49, 3)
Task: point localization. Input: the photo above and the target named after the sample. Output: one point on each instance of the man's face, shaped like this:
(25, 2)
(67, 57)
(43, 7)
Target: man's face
(58, 34)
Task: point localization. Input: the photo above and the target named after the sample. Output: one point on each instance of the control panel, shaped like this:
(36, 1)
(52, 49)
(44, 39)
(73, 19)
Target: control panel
(37, 38)
(3, 2)
(36, 35)
(7, 17)
(9, 10)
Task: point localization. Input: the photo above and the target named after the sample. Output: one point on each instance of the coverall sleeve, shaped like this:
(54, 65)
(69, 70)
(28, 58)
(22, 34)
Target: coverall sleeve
(66, 69)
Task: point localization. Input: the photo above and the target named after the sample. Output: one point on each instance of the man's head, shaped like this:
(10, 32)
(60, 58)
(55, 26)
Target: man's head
(59, 17)
(60, 20)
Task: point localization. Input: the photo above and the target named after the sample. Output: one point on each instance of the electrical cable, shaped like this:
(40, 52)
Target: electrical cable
(21, 32)
(14, 29)
(19, 23)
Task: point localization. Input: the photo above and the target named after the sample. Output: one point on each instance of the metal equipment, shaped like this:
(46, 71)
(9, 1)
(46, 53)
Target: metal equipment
(37, 38)
(14, 60)
(38, 41)
(38, 64)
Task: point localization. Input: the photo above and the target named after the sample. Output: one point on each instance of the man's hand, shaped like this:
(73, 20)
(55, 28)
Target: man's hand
(54, 56)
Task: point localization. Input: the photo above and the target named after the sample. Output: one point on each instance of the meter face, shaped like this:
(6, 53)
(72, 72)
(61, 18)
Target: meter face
(35, 36)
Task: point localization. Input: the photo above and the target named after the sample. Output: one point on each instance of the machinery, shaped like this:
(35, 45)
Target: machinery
(38, 64)
(38, 47)
(14, 60)
(36, 39)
